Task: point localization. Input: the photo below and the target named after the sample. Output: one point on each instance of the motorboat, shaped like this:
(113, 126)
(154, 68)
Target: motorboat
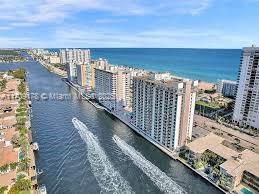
(35, 146)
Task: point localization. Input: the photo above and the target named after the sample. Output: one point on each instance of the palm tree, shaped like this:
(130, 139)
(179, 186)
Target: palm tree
(24, 164)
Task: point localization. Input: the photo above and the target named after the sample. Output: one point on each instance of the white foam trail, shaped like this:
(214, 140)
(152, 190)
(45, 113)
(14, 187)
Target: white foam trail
(107, 177)
(162, 181)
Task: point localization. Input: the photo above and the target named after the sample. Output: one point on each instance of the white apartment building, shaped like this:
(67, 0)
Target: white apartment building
(101, 63)
(246, 111)
(106, 87)
(164, 109)
(115, 82)
(53, 59)
(227, 88)
(71, 71)
(74, 55)
(81, 74)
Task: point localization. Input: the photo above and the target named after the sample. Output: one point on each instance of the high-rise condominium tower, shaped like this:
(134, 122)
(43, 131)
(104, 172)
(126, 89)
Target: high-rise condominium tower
(112, 87)
(164, 109)
(74, 55)
(81, 74)
(246, 111)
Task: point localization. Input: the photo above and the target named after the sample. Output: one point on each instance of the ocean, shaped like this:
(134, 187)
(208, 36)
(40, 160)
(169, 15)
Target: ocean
(203, 64)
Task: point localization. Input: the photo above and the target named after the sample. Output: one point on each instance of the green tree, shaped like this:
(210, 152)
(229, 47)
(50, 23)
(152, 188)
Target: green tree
(15, 140)
(3, 84)
(19, 73)
(20, 186)
(13, 165)
(3, 189)
(22, 88)
(4, 168)
(24, 164)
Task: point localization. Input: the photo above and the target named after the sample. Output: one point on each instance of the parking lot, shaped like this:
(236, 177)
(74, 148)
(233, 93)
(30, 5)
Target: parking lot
(203, 126)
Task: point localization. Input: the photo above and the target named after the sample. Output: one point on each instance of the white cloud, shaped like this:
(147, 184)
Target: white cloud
(199, 38)
(18, 42)
(72, 36)
(5, 27)
(193, 7)
(109, 21)
(37, 11)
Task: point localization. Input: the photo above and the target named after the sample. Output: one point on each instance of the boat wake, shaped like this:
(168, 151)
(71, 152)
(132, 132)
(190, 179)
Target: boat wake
(107, 177)
(161, 180)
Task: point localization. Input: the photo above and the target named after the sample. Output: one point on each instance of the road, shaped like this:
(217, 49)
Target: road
(204, 125)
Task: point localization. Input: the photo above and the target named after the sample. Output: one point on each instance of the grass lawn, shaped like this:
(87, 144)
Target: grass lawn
(209, 105)
(9, 53)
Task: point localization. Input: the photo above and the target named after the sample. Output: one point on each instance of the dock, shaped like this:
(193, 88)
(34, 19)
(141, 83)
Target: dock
(76, 88)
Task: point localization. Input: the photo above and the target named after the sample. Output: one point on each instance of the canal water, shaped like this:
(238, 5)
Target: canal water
(70, 164)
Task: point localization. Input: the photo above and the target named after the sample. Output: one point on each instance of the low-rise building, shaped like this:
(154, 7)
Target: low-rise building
(237, 167)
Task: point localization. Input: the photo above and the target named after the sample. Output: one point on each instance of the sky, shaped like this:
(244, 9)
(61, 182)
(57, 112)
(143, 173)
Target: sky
(129, 23)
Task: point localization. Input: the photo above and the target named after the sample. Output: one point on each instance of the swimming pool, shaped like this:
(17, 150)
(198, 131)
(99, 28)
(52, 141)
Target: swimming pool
(245, 191)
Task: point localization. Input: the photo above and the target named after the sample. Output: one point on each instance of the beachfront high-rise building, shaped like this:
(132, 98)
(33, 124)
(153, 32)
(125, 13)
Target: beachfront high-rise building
(54, 59)
(81, 74)
(164, 109)
(113, 86)
(246, 111)
(227, 88)
(71, 71)
(92, 76)
(99, 64)
(106, 87)
(74, 55)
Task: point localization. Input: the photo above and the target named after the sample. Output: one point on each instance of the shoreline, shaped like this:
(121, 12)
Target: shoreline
(203, 85)
(16, 132)
(53, 69)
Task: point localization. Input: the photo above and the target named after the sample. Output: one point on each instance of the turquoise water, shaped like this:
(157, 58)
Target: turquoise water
(202, 64)
(246, 191)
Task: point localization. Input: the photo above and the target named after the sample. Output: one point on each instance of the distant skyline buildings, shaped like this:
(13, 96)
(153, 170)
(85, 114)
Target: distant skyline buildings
(74, 55)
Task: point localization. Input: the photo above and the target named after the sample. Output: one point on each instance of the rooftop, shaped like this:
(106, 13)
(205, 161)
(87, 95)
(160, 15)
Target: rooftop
(213, 143)
(8, 155)
(8, 178)
(236, 162)
(172, 82)
(228, 81)
(8, 122)
(8, 133)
